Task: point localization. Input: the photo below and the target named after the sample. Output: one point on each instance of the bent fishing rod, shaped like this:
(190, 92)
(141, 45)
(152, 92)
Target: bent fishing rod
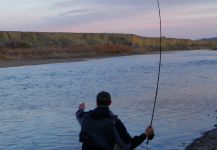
(159, 66)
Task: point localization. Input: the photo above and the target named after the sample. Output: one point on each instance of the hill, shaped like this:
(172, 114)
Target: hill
(45, 45)
(210, 39)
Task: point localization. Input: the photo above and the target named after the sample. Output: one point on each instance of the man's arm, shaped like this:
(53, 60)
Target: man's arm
(136, 140)
(80, 113)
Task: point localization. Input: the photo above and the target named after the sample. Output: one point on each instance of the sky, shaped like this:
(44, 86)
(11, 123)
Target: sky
(192, 19)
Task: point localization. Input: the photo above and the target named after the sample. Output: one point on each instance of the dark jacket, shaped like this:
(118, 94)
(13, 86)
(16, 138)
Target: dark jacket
(101, 130)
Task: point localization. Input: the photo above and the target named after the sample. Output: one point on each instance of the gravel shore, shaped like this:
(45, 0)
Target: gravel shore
(207, 142)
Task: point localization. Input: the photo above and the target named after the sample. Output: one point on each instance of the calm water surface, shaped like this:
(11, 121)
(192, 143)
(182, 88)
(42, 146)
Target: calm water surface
(38, 102)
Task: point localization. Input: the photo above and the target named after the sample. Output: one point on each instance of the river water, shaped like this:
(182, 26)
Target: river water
(38, 103)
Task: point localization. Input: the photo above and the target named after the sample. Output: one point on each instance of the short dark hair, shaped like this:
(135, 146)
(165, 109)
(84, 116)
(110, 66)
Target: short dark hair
(103, 98)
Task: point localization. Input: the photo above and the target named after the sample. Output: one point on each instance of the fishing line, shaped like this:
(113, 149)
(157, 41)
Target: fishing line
(159, 66)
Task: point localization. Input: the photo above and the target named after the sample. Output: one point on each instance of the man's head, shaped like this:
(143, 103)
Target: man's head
(103, 99)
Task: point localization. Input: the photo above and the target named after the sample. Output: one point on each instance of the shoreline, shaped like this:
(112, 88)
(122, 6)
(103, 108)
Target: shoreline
(19, 63)
(31, 62)
(208, 141)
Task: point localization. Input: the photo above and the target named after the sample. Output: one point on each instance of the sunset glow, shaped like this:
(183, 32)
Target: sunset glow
(192, 19)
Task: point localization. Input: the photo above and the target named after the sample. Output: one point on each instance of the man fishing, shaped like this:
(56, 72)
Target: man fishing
(102, 130)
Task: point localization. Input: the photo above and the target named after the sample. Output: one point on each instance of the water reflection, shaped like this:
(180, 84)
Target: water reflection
(38, 102)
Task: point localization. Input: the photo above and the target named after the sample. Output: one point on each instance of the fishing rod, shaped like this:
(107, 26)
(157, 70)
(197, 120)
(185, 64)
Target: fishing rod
(159, 66)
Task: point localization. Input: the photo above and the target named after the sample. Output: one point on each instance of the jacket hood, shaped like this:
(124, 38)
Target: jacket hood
(101, 112)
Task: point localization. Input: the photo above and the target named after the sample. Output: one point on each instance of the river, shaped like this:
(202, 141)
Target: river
(38, 103)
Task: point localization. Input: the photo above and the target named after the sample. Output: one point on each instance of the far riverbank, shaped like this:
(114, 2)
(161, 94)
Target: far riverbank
(30, 62)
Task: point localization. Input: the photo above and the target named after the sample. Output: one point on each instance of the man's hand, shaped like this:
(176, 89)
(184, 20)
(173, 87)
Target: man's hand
(149, 132)
(82, 106)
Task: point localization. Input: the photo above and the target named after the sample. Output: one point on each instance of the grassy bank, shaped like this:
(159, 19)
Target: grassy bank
(38, 45)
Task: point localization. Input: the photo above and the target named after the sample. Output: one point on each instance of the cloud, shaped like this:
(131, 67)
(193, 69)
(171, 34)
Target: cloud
(64, 3)
(128, 16)
(76, 12)
(138, 17)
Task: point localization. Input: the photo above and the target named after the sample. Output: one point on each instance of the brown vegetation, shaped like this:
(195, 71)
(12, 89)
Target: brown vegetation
(38, 45)
(49, 52)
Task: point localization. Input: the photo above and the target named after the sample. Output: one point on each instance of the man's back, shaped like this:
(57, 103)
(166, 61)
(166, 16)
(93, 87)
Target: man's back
(97, 133)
